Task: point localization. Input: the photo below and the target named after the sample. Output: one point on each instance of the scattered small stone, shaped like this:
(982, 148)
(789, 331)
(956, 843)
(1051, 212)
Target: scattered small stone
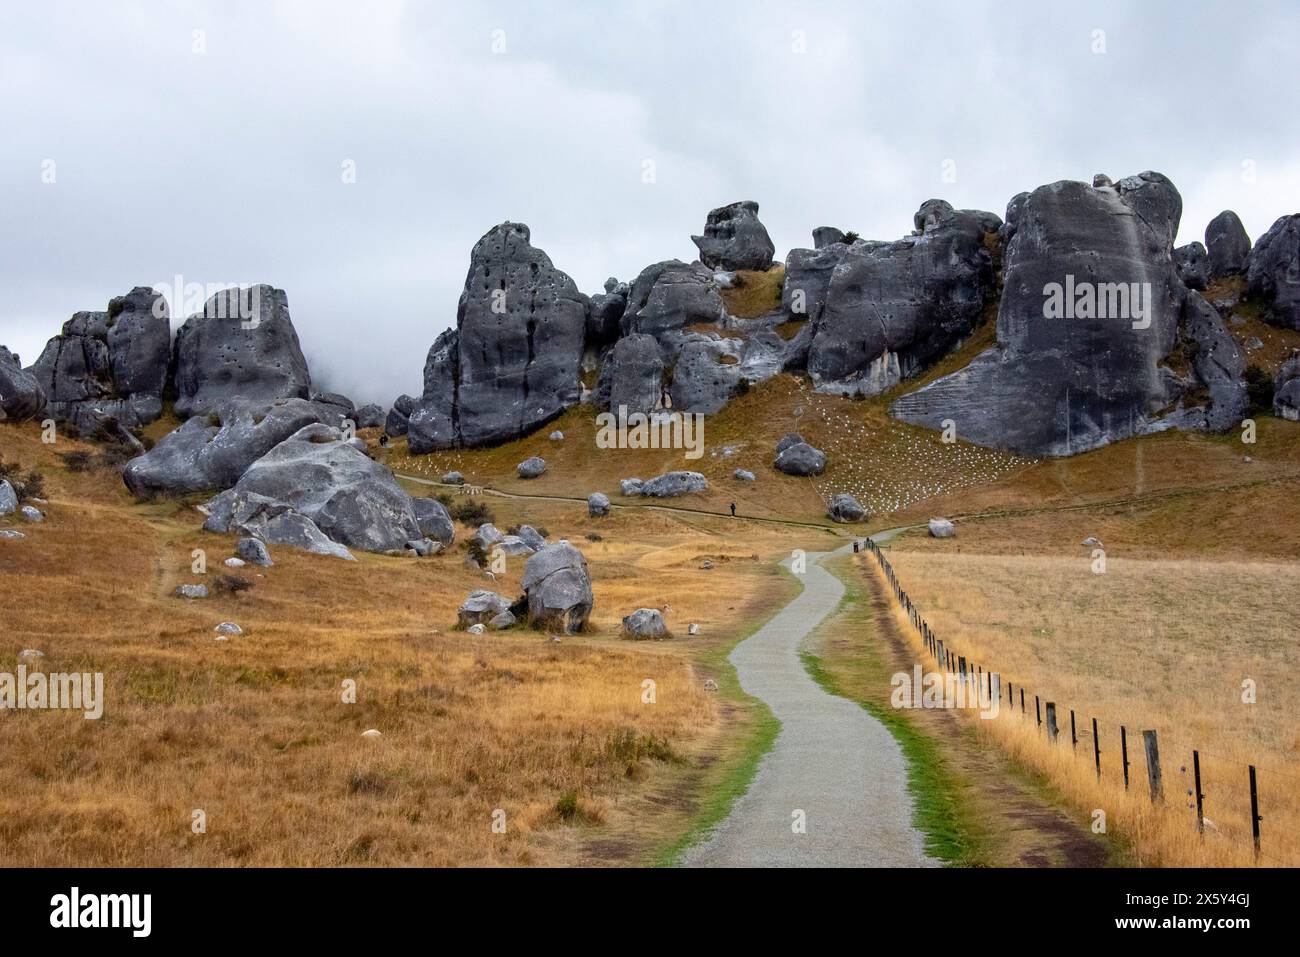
(453, 478)
(630, 486)
(744, 475)
(1091, 542)
(228, 628)
(31, 653)
(253, 551)
(32, 514)
(692, 629)
(1247, 459)
(192, 591)
(372, 733)
(12, 534)
(708, 564)
(423, 547)
(556, 436)
(942, 528)
(234, 563)
(531, 468)
(710, 684)
(645, 623)
(1253, 343)
(477, 629)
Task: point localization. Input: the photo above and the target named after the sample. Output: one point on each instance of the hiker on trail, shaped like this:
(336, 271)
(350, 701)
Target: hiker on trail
(733, 509)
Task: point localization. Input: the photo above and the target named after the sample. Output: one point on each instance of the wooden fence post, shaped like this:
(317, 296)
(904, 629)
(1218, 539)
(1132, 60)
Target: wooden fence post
(1152, 747)
(1022, 699)
(1074, 734)
(1096, 748)
(1254, 810)
(1051, 721)
(1123, 748)
(995, 686)
(1200, 797)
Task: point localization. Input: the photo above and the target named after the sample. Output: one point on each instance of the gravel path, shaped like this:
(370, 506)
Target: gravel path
(832, 761)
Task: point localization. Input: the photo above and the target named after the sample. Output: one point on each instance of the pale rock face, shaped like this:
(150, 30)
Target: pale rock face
(558, 588)
(734, 238)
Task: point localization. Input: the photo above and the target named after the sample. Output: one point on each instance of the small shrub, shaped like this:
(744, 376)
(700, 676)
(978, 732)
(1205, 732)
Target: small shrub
(742, 387)
(471, 513)
(595, 537)
(78, 461)
(1259, 388)
(32, 486)
(231, 584)
(849, 238)
(567, 805)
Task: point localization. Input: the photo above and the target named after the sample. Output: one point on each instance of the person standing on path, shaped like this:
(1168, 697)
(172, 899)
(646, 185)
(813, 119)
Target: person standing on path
(733, 509)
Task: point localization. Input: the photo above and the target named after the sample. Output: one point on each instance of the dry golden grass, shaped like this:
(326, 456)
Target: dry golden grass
(756, 292)
(254, 731)
(1149, 644)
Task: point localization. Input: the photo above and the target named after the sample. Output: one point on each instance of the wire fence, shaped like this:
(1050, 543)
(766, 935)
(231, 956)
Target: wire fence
(1138, 761)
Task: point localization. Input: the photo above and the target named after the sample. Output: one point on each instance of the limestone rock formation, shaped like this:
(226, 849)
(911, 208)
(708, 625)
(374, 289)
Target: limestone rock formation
(213, 450)
(1193, 265)
(512, 362)
(892, 309)
(734, 238)
(672, 484)
(352, 499)
(109, 365)
(845, 508)
(21, 394)
(558, 588)
(1227, 245)
(1091, 311)
(597, 505)
(241, 346)
(1274, 272)
(645, 623)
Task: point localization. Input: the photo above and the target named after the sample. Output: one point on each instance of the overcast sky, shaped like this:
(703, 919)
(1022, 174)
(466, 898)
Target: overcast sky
(220, 156)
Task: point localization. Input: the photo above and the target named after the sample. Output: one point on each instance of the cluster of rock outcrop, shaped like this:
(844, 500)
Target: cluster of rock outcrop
(1098, 337)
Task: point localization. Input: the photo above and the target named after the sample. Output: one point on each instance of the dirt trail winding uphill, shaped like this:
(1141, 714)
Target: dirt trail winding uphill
(833, 765)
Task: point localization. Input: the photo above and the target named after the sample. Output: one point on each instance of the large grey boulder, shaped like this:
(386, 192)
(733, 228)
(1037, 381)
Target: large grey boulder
(824, 236)
(352, 499)
(845, 508)
(942, 528)
(370, 416)
(597, 505)
(558, 587)
(669, 296)
(485, 536)
(241, 346)
(632, 375)
(434, 521)
(893, 309)
(787, 440)
(269, 520)
(109, 365)
(21, 395)
(531, 468)
(211, 451)
(645, 623)
(672, 484)
(800, 459)
(512, 362)
(808, 277)
(399, 416)
(1193, 265)
(480, 607)
(1286, 392)
(8, 498)
(1274, 273)
(735, 239)
(606, 313)
(531, 537)
(1227, 245)
(1091, 308)
(630, 486)
(1217, 363)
